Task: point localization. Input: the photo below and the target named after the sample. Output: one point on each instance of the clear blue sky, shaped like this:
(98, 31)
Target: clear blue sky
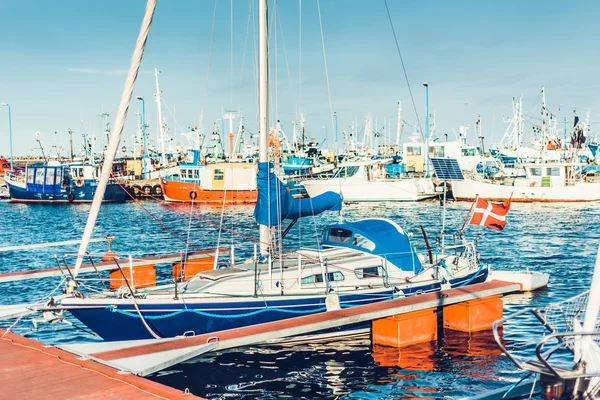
(60, 60)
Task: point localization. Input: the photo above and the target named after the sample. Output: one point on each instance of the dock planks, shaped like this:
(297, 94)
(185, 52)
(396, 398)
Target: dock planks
(31, 370)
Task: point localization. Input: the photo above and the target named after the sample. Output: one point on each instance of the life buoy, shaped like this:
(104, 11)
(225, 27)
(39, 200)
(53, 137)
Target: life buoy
(157, 190)
(193, 195)
(147, 189)
(123, 149)
(79, 182)
(70, 197)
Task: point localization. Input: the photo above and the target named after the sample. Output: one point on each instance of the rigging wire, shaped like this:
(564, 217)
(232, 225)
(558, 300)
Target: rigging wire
(210, 47)
(326, 69)
(404, 69)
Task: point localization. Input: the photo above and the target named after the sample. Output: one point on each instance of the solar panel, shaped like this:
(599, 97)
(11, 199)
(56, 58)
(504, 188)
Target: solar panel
(447, 169)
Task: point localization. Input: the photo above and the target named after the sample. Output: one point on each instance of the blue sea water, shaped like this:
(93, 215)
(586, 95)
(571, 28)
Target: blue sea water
(556, 238)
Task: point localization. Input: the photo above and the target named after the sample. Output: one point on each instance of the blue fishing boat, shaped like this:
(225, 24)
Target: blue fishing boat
(70, 183)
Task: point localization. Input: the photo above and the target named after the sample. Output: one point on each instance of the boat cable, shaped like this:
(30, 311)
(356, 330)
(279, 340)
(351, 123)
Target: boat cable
(404, 69)
(252, 239)
(326, 69)
(210, 48)
(136, 201)
(39, 302)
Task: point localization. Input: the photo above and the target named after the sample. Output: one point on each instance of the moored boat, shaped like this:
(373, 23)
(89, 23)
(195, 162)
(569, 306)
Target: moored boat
(365, 181)
(71, 183)
(229, 183)
(539, 182)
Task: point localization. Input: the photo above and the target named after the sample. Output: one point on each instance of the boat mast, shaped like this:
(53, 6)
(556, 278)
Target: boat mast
(544, 115)
(117, 131)
(263, 105)
(161, 122)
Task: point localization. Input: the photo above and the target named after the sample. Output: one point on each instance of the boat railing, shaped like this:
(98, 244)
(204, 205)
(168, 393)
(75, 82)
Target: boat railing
(15, 176)
(555, 350)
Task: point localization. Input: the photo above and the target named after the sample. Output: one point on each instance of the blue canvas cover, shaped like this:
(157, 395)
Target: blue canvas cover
(275, 203)
(377, 236)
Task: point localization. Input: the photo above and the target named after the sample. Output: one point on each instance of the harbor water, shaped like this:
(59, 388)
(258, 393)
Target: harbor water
(561, 239)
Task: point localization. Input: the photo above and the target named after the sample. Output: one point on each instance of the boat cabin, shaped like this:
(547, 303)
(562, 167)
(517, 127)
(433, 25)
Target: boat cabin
(377, 236)
(228, 176)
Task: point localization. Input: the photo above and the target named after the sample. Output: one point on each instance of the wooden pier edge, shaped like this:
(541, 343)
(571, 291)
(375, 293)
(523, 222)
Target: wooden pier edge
(31, 352)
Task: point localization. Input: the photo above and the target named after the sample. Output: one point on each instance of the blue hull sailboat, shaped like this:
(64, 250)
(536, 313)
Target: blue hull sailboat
(358, 263)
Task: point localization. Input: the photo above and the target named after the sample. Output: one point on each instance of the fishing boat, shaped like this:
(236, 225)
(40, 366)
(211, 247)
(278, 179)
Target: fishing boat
(536, 182)
(370, 180)
(70, 183)
(4, 166)
(218, 183)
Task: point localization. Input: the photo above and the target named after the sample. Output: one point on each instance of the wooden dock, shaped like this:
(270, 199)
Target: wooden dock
(31, 370)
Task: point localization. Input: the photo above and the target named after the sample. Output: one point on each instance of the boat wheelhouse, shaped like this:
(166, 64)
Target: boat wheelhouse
(232, 183)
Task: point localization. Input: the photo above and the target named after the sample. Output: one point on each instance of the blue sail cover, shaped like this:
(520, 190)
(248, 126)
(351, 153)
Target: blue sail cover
(275, 203)
(378, 236)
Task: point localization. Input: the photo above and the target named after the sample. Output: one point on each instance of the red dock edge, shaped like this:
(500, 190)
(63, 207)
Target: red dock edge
(32, 370)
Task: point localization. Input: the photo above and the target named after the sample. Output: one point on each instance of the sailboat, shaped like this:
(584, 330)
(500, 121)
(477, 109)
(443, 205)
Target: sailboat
(353, 263)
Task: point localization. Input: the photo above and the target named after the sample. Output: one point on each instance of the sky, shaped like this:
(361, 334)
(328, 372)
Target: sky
(63, 64)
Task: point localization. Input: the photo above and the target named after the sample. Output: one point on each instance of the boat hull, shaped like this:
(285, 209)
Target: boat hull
(168, 319)
(177, 191)
(85, 194)
(469, 189)
(356, 191)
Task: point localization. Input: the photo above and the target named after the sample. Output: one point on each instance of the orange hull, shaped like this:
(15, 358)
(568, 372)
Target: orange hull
(188, 191)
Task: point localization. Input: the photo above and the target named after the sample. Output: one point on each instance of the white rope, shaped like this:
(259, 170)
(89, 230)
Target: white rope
(117, 131)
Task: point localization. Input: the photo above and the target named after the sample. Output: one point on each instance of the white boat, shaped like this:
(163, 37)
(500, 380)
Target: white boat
(540, 182)
(364, 181)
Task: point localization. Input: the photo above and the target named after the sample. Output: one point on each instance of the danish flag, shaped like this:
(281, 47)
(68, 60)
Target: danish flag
(491, 215)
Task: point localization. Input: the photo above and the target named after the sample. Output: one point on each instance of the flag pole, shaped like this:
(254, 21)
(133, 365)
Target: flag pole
(462, 228)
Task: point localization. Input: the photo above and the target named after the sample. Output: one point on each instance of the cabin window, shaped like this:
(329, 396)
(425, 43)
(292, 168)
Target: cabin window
(218, 175)
(183, 173)
(50, 176)
(437, 151)
(318, 278)
(554, 171)
(361, 241)
(30, 175)
(39, 176)
(467, 152)
(346, 172)
(196, 174)
(5, 165)
(413, 150)
(536, 171)
(368, 272)
(339, 235)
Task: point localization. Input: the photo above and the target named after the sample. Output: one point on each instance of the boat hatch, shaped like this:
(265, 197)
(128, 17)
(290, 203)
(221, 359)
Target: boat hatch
(44, 179)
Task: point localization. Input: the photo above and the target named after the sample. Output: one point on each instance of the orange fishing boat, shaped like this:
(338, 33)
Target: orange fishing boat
(232, 183)
(4, 166)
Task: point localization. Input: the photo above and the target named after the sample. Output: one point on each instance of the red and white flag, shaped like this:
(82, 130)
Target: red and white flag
(491, 215)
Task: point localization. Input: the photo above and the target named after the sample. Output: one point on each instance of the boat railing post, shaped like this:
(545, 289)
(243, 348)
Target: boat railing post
(96, 269)
(386, 278)
(232, 255)
(255, 275)
(270, 265)
(125, 278)
(326, 277)
(72, 277)
(299, 270)
(58, 264)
